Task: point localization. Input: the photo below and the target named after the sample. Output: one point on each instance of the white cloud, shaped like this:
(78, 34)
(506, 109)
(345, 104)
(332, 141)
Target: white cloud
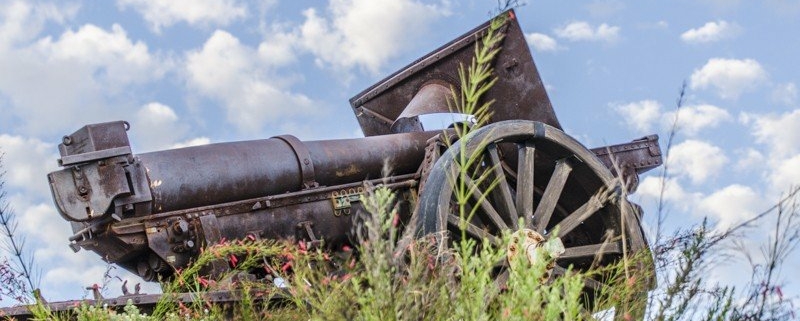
(780, 132)
(640, 115)
(583, 31)
(165, 13)
(156, 126)
(119, 60)
(42, 219)
(730, 77)
(344, 40)
(785, 94)
(542, 42)
(785, 174)
(21, 21)
(278, 49)
(731, 205)
(26, 161)
(749, 159)
(696, 160)
(253, 97)
(192, 142)
(711, 32)
(651, 188)
(56, 85)
(645, 116)
(693, 119)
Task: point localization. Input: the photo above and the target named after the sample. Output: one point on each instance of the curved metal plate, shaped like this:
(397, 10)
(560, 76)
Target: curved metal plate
(518, 93)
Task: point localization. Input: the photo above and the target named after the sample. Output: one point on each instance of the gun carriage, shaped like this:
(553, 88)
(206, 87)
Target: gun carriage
(151, 213)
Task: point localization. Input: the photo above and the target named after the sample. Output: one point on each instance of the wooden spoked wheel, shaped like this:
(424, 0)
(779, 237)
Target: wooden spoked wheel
(543, 177)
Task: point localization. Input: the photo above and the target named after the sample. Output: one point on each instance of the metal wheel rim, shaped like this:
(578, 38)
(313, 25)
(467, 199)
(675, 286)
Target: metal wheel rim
(435, 215)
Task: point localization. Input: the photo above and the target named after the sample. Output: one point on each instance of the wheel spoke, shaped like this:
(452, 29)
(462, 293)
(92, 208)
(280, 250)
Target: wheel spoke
(473, 230)
(592, 250)
(595, 285)
(484, 203)
(588, 282)
(558, 270)
(631, 224)
(501, 281)
(525, 184)
(506, 203)
(575, 218)
(551, 194)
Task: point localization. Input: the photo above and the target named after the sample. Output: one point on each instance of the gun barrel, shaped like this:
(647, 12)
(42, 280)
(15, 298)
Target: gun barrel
(102, 176)
(219, 173)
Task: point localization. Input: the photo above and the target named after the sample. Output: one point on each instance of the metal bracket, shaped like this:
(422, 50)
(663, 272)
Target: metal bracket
(303, 159)
(305, 229)
(628, 160)
(342, 200)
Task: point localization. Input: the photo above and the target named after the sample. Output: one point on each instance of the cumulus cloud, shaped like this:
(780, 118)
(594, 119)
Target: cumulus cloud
(227, 70)
(785, 94)
(786, 174)
(645, 116)
(694, 118)
(748, 159)
(21, 21)
(278, 49)
(780, 132)
(156, 126)
(730, 77)
(696, 160)
(118, 59)
(342, 39)
(583, 31)
(712, 31)
(651, 188)
(731, 205)
(165, 13)
(57, 84)
(639, 115)
(542, 42)
(26, 160)
(780, 135)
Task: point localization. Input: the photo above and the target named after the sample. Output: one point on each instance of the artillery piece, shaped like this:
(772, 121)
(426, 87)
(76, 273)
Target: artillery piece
(151, 213)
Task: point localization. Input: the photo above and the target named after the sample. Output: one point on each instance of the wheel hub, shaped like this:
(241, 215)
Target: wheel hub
(532, 246)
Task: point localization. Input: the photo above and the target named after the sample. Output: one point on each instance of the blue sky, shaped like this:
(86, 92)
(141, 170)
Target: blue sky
(185, 73)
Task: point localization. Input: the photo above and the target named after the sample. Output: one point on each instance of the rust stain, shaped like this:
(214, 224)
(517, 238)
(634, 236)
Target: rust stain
(350, 170)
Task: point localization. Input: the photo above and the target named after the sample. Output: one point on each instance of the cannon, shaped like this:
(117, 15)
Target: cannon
(151, 213)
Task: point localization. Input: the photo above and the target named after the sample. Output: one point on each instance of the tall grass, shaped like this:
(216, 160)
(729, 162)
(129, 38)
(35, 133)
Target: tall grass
(18, 280)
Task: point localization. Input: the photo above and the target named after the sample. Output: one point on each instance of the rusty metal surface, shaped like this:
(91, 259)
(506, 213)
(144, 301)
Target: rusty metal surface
(518, 93)
(226, 172)
(628, 160)
(433, 97)
(93, 139)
